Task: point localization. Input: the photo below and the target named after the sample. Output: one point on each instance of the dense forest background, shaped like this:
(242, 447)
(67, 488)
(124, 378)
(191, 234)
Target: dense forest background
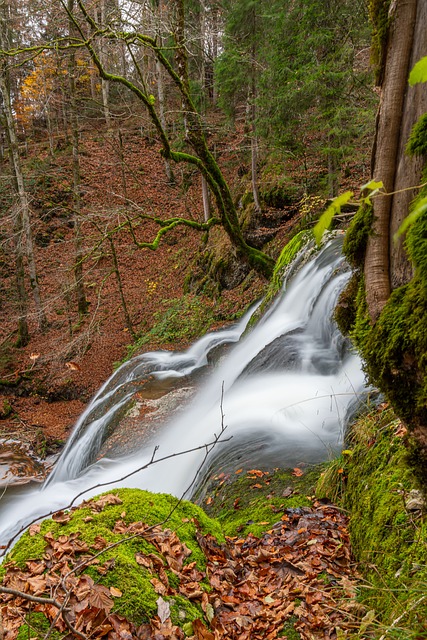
(154, 157)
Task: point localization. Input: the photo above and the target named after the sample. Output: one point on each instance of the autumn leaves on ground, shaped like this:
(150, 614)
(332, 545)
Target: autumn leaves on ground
(294, 581)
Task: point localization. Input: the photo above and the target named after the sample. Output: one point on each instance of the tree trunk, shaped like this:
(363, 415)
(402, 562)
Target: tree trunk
(409, 168)
(388, 137)
(254, 155)
(120, 287)
(22, 206)
(206, 200)
(105, 85)
(82, 303)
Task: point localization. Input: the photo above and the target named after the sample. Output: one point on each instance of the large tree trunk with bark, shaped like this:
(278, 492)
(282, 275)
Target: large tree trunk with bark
(385, 264)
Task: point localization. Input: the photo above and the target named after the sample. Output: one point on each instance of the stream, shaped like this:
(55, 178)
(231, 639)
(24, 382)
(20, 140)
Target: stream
(280, 395)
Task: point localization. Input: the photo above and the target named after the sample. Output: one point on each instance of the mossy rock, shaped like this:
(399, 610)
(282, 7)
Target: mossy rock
(216, 267)
(138, 602)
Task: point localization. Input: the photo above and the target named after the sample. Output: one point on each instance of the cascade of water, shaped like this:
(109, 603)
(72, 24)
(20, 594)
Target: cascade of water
(283, 394)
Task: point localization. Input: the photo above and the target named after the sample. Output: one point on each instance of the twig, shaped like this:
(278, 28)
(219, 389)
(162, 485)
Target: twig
(105, 484)
(52, 601)
(88, 561)
(402, 615)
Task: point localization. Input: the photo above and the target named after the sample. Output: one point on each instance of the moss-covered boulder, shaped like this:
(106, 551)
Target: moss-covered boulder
(118, 554)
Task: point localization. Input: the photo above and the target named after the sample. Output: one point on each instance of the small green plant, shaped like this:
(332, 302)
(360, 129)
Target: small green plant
(184, 320)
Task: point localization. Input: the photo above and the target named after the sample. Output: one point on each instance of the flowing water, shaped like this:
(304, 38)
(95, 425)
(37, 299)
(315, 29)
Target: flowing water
(282, 395)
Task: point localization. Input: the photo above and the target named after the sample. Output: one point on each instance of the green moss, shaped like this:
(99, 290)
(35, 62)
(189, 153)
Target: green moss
(389, 542)
(354, 247)
(288, 632)
(35, 627)
(345, 310)
(395, 350)
(184, 320)
(417, 143)
(245, 504)
(416, 242)
(379, 16)
(278, 190)
(138, 602)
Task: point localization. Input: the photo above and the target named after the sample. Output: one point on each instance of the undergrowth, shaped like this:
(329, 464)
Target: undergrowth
(373, 480)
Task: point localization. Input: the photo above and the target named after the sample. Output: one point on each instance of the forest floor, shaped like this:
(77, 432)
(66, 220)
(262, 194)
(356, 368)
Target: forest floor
(46, 385)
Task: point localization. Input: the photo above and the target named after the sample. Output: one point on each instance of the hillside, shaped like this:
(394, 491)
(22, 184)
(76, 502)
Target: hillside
(45, 385)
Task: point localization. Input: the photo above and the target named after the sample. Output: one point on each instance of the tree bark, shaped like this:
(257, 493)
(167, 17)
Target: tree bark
(82, 303)
(388, 136)
(409, 168)
(160, 91)
(22, 207)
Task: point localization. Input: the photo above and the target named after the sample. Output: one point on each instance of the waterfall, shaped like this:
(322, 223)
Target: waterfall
(283, 394)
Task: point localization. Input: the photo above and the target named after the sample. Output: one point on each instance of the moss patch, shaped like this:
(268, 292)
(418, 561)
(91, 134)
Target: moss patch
(374, 481)
(35, 627)
(185, 319)
(394, 349)
(354, 247)
(252, 502)
(417, 143)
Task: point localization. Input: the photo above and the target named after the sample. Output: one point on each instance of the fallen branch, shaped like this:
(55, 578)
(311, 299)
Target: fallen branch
(62, 609)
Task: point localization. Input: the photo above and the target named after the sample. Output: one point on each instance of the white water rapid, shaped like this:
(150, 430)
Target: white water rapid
(285, 390)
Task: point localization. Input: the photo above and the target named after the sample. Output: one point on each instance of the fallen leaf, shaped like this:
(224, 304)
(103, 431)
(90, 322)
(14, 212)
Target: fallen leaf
(297, 472)
(103, 501)
(116, 593)
(99, 597)
(163, 609)
(200, 631)
(61, 517)
(73, 366)
(34, 529)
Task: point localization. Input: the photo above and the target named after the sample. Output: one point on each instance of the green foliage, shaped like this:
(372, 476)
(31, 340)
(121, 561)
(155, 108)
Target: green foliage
(325, 219)
(388, 541)
(295, 61)
(419, 72)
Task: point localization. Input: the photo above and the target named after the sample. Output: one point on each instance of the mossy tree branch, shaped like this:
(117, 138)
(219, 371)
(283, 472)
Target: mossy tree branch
(202, 158)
